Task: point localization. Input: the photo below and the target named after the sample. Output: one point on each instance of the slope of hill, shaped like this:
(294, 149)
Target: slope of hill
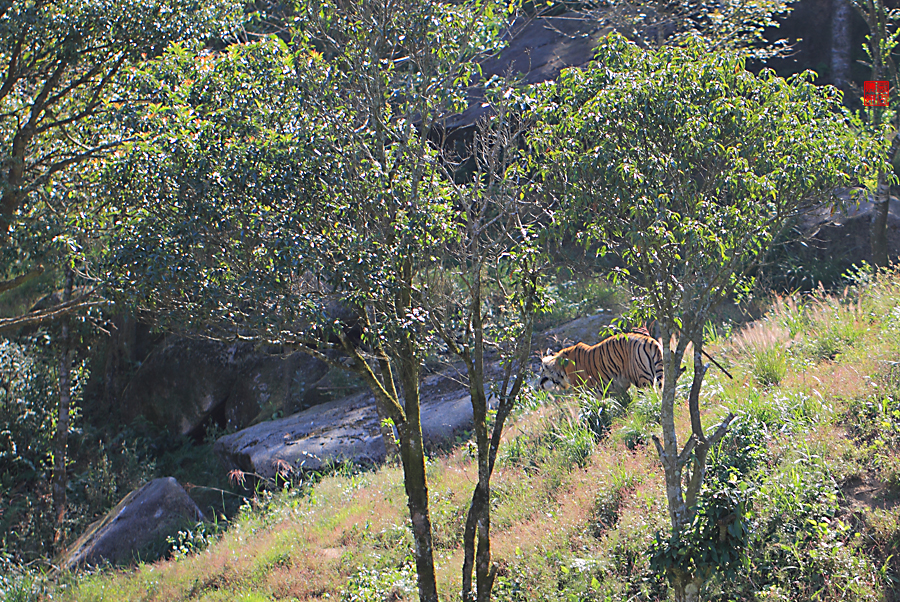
(812, 468)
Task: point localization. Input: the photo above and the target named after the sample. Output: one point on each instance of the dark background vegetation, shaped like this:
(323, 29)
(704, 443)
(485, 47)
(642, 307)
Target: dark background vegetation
(110, 452)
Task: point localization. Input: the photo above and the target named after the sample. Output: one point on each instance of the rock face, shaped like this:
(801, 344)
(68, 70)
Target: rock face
(347, 429)
(184, 383)
(835, 242)
(136, 527)
(181, 383)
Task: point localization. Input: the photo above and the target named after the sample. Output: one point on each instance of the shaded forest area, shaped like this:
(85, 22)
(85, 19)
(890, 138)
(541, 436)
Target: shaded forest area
(217, 215)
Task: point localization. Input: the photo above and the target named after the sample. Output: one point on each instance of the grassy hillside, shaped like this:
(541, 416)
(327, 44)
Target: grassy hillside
(579, 497)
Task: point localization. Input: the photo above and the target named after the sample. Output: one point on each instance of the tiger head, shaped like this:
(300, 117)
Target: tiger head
(553, 372)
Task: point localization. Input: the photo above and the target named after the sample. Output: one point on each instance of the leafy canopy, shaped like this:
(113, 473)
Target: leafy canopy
(60, 64)
(685, 166)
(270, 184)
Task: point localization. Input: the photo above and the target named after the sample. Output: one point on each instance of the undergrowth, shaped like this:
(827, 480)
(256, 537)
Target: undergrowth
(800, 500)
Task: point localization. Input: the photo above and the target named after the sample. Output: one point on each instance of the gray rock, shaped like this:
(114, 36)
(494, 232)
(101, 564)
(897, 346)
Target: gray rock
(585, 329)
(137, 527)
(346, 429)
(843, 238)
(270, 384)
(182, 383)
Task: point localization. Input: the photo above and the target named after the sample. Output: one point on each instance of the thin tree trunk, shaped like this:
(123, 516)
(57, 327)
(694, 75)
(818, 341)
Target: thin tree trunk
(484, 579)
(686, 588)
(412, 454)
(840, 43)
(473, 522)
(683, 502)
(668, 448)
(61, 440)
(408, 421)
(477, 535)
(879, 243)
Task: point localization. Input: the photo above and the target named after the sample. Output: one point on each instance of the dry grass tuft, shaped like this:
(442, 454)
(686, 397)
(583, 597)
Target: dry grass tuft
(572, 527)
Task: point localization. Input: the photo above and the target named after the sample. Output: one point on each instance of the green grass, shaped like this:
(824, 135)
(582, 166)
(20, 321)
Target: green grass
(578, 496)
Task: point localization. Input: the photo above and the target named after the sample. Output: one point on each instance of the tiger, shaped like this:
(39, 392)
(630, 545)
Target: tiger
(615, 362)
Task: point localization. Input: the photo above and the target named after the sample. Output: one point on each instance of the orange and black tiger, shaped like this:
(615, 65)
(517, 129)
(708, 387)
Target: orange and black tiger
(616, 362)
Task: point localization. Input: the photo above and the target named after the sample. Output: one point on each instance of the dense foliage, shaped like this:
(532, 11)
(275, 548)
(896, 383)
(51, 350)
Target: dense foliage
(685, 167)
(301, 192)
(61, 63)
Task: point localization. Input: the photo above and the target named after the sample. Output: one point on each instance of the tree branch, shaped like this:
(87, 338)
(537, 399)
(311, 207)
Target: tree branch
(20, 280)
(49, 314)
(685, 454)
(694, 396)
(12, 75)
(720, 431)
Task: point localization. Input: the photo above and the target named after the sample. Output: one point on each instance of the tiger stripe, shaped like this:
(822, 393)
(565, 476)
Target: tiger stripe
(620, 360)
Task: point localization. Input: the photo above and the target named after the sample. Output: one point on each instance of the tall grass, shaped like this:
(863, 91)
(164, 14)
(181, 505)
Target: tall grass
(578, 494)
(765, 347)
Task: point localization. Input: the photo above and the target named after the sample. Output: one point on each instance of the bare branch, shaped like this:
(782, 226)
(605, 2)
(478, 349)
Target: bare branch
(720, 431)
(659, 448)
(685, 454)
(694, 396)
(50, 314)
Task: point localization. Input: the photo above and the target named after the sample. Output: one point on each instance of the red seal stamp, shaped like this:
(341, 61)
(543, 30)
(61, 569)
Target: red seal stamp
(875, 94)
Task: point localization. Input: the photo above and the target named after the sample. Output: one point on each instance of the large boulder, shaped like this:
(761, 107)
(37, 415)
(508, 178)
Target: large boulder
(181, 383)
(342, 430)
(184, 384)
(137, 527)
(272, 385)
(830, 242)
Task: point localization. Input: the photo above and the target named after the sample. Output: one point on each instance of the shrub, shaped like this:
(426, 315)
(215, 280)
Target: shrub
(575, 298)
(382, 585)
(715, 540)
(27, 425)
(17, 583)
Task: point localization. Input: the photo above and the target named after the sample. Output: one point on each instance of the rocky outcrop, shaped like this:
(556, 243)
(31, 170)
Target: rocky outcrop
(181, 383)
(137, 527)
(833, 242)
(347, 429)
(184, 383)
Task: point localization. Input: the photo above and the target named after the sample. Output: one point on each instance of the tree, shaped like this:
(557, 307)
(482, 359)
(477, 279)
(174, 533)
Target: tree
(60, 62)
(483, 297)
(293, 197)
(840, 43)
(722, 24)
(685, 167)
(883, 37)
